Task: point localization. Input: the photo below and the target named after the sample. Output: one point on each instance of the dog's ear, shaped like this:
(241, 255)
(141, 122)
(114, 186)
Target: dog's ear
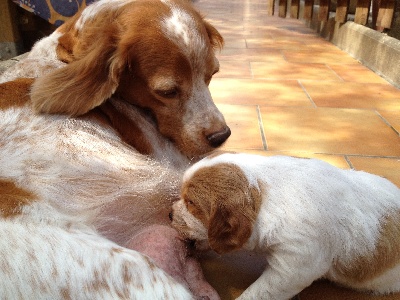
(216, 39)
(231, 222)
(228, 229)
(84, 83)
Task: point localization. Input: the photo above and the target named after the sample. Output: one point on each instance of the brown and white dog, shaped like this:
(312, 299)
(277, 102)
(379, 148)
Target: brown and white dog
(311, 220)
(154, 54)
(92, 158)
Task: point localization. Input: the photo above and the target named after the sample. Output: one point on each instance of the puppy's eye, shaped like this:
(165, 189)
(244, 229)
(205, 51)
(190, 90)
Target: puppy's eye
(169, 93)
(189, 202)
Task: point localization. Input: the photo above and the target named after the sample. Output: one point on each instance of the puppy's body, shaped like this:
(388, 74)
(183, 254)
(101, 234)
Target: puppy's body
(312, 220)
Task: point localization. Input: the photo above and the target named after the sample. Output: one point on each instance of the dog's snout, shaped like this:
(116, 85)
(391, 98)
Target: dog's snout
(171, 216)
(216, 139)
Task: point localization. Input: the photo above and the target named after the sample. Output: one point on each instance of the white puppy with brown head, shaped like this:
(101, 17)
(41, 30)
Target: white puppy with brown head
(312, 220)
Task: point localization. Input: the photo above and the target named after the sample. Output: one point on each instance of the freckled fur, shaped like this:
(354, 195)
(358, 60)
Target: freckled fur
(314, 221)
(12, 199)
(15, 94)
(86, 184)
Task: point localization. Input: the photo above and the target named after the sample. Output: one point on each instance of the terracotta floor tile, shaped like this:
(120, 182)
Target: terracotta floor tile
(228, 31)
(272, 44)
(393, 118)
(318, 57)
(296, 32)
(357, 73)
(243, 121)
(250, 54)
(309, 45)
(353, 95)
(259, 31)
(385, 167)
(327, 130)
(232, 68)
(234, 43)
(258, 92)
(286, 70)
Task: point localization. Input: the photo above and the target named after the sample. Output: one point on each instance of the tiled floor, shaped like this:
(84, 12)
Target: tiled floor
(285, 90)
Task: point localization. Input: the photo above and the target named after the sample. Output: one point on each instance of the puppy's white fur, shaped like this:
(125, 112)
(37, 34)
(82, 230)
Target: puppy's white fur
(314, 221)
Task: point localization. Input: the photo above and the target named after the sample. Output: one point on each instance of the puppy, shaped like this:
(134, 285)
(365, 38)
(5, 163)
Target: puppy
(310, 219)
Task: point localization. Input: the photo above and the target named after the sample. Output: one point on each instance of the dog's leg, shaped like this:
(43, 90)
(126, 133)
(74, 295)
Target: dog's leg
(288, 272)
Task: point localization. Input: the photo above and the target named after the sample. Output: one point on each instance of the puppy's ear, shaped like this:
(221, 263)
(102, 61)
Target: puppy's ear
(231, 220)
(228, 229)
(82, 84)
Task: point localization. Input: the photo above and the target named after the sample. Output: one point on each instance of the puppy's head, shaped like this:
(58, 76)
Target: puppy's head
(158, 55)
(218, 206)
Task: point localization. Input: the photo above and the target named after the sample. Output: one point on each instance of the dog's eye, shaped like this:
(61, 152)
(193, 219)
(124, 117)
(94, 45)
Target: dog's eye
(170, 93)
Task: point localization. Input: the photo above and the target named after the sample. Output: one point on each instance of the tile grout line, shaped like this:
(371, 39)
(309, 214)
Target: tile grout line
(387, 122)
(261, 126)
(369, 156)
(307, 94)
(337, 75)
(347, 159)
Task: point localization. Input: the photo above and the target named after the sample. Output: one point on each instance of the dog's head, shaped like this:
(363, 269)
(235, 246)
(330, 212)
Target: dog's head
(157, 55)
(219, 204)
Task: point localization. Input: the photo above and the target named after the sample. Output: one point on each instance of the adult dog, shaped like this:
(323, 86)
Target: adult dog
(308, 218)
(93, 156)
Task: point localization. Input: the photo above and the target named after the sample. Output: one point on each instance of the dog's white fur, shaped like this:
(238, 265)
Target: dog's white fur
(77, 179)
(312, 220)
(74, 191)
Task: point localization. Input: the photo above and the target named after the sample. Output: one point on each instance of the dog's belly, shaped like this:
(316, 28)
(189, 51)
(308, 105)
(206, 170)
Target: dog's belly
(169, 252)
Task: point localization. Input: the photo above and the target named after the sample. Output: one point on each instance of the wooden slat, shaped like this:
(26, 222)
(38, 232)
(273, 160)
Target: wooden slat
(323, 14)
(362, 12)
(271, 7)
(385, 14)
(342, 9)
(294, 9)
(8, 22)
(308, 9)
(282, 8)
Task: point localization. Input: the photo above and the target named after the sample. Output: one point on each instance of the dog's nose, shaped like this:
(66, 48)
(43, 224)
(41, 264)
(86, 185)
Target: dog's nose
(216, 139)
(171, 216)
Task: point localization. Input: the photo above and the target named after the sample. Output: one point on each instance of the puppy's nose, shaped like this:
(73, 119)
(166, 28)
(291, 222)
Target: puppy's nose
(216, 139)
(171, 216)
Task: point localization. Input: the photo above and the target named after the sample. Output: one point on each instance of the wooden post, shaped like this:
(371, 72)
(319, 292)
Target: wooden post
(342, 9)
(385, 14)
(323, 14)
(362, 12)
(282, 8)
(294, 9)
(271, 7)
(308, 9)
(10, 40)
